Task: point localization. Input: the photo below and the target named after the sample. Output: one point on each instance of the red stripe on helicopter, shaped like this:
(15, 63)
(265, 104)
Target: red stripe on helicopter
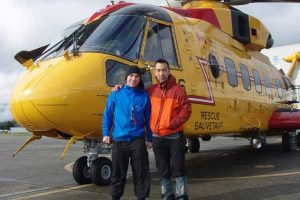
(107, 10)
(199, 99)
(206, 14)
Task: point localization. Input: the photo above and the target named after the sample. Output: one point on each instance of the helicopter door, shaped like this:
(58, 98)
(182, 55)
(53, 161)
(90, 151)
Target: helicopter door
(160, 44)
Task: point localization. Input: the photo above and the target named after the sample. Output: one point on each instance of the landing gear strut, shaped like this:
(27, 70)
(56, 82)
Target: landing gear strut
(290, 141)
(91, 168)
(193, 145)
(258, 141)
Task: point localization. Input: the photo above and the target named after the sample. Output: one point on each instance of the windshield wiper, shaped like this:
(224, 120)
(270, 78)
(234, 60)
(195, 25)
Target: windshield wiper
(75, 39)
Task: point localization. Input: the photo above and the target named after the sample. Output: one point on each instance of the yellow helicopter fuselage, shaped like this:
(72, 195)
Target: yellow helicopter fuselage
(65, 96)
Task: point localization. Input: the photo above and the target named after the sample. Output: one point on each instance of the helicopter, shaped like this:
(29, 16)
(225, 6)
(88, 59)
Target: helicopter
(213, 50)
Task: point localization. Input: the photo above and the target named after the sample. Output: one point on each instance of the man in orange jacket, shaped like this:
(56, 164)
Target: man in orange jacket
(170, 109)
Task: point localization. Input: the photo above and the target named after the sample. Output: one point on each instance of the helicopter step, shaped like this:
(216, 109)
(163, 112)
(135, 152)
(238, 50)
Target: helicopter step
(91, 168)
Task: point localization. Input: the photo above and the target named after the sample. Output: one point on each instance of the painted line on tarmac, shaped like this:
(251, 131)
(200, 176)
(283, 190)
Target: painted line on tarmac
(240, 177)
(24, 192)
(54, 192)
(69, 167)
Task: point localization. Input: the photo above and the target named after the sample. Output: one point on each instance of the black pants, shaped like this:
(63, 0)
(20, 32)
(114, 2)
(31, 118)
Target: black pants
(170, 156)
(137, 152)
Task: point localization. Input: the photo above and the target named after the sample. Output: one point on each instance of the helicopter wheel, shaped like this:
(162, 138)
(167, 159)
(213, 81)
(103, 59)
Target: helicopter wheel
(286, 142)
(298, 141)
(101, 171)
(193, 145)
(81, 171)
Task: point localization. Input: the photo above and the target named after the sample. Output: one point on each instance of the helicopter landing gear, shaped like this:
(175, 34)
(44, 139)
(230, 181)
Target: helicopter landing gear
(258, 141)
(81, 171)
(91, 168)
(290, 141)
(193, 145)
(101, 171)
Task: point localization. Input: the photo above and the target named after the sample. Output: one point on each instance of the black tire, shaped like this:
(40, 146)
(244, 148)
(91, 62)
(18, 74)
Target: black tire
(193, 145)
(286, 142)
(298, 140)
(81, 172)
(101, 171)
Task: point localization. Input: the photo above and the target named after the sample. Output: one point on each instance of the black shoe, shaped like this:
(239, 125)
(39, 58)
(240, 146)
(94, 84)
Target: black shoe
(170, 197)
(182, 197)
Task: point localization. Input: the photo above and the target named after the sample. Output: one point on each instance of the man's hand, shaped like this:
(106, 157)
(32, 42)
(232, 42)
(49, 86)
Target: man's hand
(149, 145)
(117, 87)
(106, 139)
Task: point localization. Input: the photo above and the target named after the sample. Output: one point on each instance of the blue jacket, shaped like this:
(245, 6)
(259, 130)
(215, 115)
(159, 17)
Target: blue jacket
(127, 112)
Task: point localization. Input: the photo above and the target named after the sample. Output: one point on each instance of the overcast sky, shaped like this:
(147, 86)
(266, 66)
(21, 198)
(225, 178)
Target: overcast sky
(28, 24)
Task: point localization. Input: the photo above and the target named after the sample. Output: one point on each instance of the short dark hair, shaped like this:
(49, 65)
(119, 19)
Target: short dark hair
(162, 61)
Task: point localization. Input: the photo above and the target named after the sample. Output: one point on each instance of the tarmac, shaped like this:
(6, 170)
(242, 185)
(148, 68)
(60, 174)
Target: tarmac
(224, 169)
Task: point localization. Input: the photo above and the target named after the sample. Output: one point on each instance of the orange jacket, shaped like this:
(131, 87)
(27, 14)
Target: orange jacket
(170, 107)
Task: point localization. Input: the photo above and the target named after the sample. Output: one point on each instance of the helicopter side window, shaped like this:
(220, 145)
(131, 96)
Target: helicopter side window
(257, 81)
(116, 74)
(279, 88)
(231, 72)
(267, 84)
(160, 44)
(214, 65)
(245, 77)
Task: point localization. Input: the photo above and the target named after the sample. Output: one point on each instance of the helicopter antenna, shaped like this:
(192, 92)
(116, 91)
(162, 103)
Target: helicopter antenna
(168, 3)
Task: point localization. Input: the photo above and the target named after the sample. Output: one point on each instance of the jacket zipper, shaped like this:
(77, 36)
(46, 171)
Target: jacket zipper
(160, 110)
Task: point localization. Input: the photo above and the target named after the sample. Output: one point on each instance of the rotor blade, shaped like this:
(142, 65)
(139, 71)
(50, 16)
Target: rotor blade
(282, 1)
(244, 2)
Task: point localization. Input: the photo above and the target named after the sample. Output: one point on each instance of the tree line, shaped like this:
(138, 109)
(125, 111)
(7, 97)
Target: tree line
(8, 124)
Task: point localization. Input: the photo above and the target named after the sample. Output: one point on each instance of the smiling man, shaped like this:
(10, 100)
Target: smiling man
(128, 112)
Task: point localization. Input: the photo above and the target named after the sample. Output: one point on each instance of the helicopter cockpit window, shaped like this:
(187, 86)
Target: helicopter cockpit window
(245, 77)
(117, 35)
(116, 72)
(279, 88)
(214, 65)
(231, 72)
(267, 84)
(257, 81)
(160, 44)
(60, 42)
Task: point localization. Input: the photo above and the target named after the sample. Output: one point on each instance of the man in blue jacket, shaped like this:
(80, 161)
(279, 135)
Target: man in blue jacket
(128, 112)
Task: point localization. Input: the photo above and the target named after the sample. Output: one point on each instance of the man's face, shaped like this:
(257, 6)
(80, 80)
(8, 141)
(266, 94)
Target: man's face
(133, 80)
(162, 72)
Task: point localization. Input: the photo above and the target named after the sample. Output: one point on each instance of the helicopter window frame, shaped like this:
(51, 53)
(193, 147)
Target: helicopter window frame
(118, 75)
(279, 88)
(173, 40)
(245, 77)
(214, 65)
(231, 72)
(257, 80)
(267, 85)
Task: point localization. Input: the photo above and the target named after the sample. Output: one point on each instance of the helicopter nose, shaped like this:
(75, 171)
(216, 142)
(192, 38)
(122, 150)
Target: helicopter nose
(41, 104)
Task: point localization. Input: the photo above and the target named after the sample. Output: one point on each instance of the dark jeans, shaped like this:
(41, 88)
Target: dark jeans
(170, 156)
(136, 151)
